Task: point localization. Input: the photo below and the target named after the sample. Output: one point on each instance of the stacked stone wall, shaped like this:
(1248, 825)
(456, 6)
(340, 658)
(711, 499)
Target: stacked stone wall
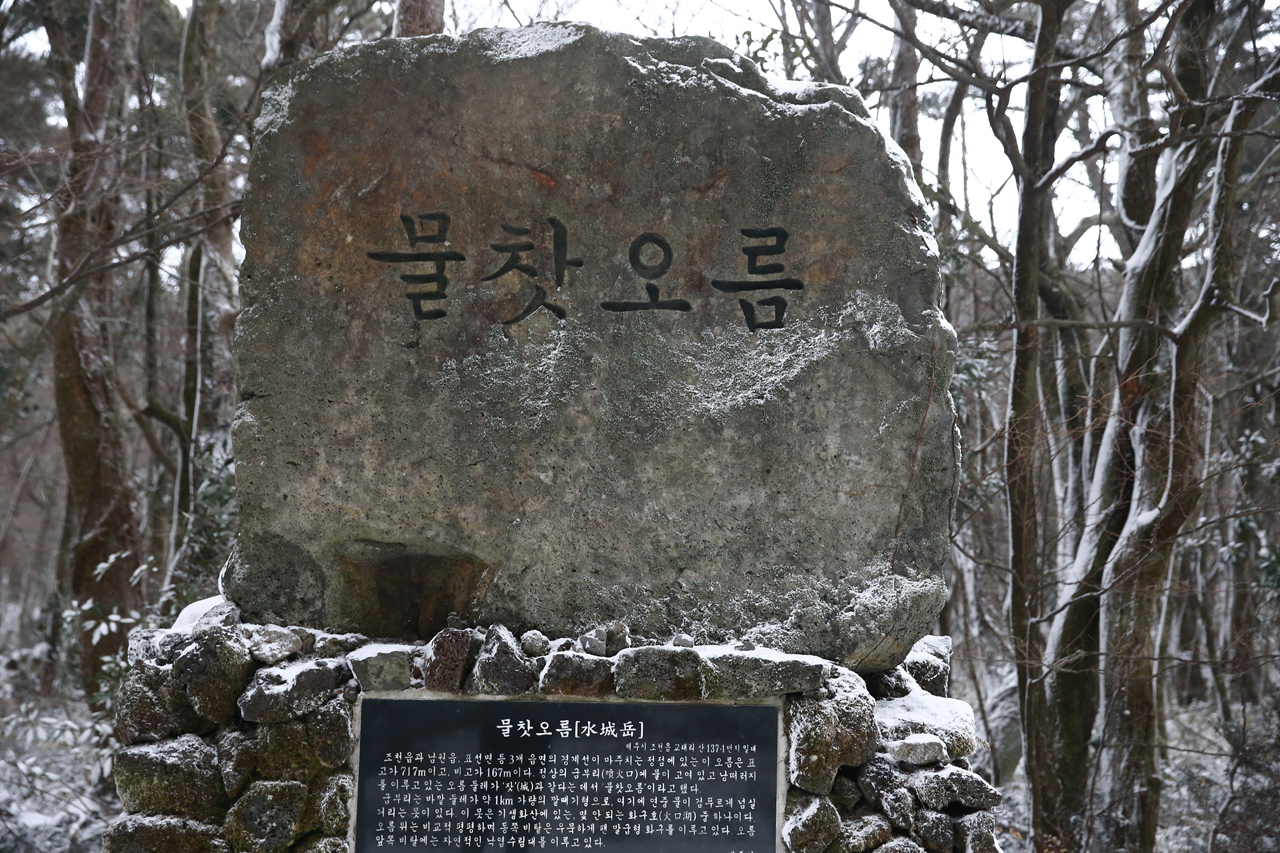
(241, 737)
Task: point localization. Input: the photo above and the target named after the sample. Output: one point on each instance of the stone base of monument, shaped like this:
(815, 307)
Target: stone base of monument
(247, 738)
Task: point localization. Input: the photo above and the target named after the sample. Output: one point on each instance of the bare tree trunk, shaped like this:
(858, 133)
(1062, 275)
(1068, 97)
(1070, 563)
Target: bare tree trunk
(1022, 431)
(418, 18)
(904, 106)
(102, 537)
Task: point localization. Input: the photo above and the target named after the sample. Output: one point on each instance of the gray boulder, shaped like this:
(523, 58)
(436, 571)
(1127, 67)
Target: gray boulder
(918, 749)
(383, 666)
(811, 823)
(867, 831)
(929, 663)
(269, 816)
(938, 789)
(534, 643)
(176, 777)
(891, 683)
(576, 674)
(923, 713)
(825, 734)
(976, 833)
(284, 692)
(933, 830)
(443, 663)
(151, 705)
(237, 757)
(501, 668)
(759, 672)
(214, 669)
(668, 433)
(271, 644)
(331, 804)
(900, 845)
(670, 673)
(157, 645)
(886, 788)
(133, 833)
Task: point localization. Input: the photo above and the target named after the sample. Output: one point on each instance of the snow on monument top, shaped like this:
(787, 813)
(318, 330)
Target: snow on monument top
(553, 326)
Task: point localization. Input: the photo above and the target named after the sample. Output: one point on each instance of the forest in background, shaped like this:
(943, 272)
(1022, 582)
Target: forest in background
(1115, 574)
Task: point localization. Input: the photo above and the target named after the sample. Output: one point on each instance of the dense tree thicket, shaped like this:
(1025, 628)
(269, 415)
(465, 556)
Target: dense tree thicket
(1114, 579)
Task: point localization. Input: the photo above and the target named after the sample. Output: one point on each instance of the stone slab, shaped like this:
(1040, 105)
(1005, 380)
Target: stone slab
(625, 436)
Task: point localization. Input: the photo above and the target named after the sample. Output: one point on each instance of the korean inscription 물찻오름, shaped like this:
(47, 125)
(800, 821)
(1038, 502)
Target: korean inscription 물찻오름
(620, 777)
(516, 262)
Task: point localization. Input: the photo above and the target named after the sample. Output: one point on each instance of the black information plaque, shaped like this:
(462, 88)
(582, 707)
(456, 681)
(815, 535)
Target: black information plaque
(618, 777)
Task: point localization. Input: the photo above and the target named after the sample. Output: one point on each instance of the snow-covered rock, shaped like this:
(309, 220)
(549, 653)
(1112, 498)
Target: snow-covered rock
(923, 713)
(918, 749)
(757, 672)
(673, 673)
(271, 644)
(938, 789)
(383, 666)
(501, 668)
(811, 823)
(825, 734)
(280, 693)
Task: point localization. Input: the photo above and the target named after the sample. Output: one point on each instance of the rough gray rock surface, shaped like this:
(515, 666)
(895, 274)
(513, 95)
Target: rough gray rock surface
(976, 833)
(933, 830)
(918, 749)
(214, 668)
(158, 645)
(271, 644)
(176, 777)
(383, 666)
(811, 823)
(593, 642)
(236, 759)
(865, 832)
(825, 734)
(929, 663)
(757, 672)
(443, 664)
(322, 844)
(576, 674)
(332, 804)
(162, 834)
(938, 789)
(281, 693)
(501, 668)
(151, 705)
(617, 638)
(534, 643)
(658, 467)
(886, 788)
(296, 750)
(670, 673)
(269, 816)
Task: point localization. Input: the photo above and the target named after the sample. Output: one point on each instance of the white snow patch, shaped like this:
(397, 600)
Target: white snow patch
(274, 111)
(374, 650)
(505, 45)
(34, 819)
(764, 653)
(923, 710)
(191, 614)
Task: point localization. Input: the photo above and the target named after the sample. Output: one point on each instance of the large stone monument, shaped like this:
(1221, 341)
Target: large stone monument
(553, 327)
